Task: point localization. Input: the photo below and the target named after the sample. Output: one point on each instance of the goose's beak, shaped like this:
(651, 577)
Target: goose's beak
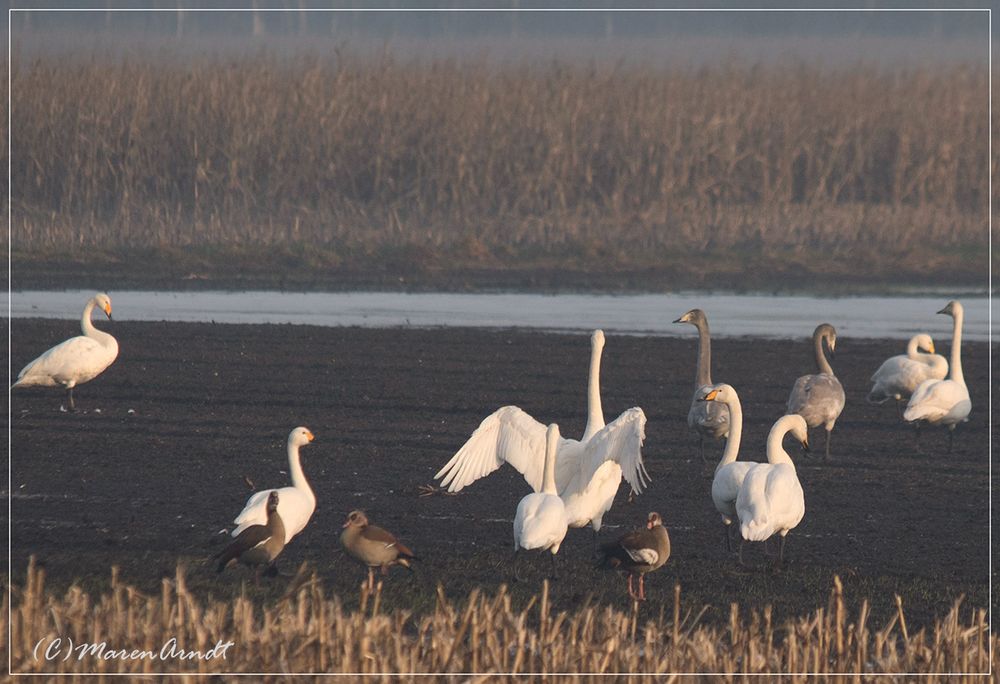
(346, 524)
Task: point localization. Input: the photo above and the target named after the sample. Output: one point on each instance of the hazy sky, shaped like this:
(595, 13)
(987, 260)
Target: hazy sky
(687, 37)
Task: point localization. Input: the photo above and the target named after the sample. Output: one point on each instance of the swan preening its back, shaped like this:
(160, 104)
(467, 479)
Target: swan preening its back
(587, 473)
(944, 402)
(296, 503)
(78, 359)
(770, 500)
(819, 398)
(706, 418)
(899, 376)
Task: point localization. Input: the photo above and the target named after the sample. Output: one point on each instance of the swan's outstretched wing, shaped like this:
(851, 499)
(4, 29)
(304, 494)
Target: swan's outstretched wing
(619, 441)
(508, 435)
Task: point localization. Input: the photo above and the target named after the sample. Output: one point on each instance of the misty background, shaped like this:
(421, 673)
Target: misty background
(228, 28)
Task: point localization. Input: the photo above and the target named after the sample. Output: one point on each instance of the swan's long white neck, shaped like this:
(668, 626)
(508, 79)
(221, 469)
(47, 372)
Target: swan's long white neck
(911, 349)
(595, 412)
(295, 469)
(775, 449)
(551, 446)
(735, 431)
(821, 362)
(87, 325)
(958, 313)
(704, 373)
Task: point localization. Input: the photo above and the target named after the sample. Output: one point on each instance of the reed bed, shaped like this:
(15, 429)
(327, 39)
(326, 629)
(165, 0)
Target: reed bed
(490, 162)
(311, 631)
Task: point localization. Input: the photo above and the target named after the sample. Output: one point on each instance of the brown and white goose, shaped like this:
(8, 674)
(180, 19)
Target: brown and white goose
(638, 552)
(373, 546)
(257, 545)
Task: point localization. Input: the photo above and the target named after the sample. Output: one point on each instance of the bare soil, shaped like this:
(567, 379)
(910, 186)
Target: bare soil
(152, 467)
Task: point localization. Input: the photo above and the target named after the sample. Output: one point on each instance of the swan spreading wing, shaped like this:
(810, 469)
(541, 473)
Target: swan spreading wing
(509, 435)
(619, 441)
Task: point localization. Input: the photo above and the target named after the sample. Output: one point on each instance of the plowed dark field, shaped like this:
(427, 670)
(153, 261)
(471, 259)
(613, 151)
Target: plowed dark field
(153, 465)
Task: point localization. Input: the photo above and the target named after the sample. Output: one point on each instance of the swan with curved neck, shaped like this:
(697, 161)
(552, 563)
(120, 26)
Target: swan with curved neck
(296, 503)
(944, 402)
(771, 500)
(587, 472)
(705, 418)
(819, 398)
(730, 473)
(541, 521)
(77, 360)
(899, 376)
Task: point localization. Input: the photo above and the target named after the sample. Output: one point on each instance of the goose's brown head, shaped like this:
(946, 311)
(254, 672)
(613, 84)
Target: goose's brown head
(356, 519)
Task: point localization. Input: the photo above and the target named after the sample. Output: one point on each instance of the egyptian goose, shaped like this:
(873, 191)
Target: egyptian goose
(638, 552)
(257, 545)
(373, 546)
(77, 360)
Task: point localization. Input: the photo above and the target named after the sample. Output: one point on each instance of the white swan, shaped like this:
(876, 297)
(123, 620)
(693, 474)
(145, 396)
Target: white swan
(77, 360)
(587, 472)
(706, 419)
(729, 474)
(541, 520)
(899, 376)
(295, 504)
(771, 501)
(944, 402)
(819, 398)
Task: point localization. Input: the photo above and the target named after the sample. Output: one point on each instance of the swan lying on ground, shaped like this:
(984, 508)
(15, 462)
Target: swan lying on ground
(899, 376)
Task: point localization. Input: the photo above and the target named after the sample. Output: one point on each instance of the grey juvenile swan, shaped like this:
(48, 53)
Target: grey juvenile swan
(704, 417)
(819, 398)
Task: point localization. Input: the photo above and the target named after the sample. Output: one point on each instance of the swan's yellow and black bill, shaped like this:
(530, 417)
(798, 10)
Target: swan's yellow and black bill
(711, 395)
